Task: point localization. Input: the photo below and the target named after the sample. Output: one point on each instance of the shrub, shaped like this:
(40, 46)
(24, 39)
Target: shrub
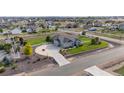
(28, 50)
(100, 42)
(14, 66)
(1, 46)
(16, 38)
(6, 61)
(24, 31)
(2, 69)
(1, 64)
(95, 41)
(1, 30)
(7, 47)
(25, 42)
(17, 49)
(48, 39)
(83, 33)
(63, 51)
(56, 28)
(21, 41)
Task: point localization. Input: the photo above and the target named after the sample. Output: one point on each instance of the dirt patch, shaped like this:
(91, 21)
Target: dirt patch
(36, 62)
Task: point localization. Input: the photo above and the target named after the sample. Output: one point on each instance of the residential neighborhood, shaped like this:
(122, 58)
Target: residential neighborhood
(62, 46)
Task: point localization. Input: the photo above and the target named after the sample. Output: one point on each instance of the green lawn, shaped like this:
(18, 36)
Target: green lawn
(84, 39)
(120, 71)
(87, 46)
(37, 40)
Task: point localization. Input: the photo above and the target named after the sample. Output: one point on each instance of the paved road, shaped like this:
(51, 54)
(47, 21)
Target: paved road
(82, 63)
(52, 51)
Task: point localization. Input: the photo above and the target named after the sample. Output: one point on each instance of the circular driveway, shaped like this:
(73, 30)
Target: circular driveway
(52, 51)
(47, 50)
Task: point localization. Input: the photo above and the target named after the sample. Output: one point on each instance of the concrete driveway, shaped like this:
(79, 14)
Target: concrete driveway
(96, 71)
(52, 51)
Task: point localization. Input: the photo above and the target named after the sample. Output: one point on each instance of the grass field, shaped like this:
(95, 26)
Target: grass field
(120, 71)
(84, 39)
(86, 46)
(36, 40)
(115, 34)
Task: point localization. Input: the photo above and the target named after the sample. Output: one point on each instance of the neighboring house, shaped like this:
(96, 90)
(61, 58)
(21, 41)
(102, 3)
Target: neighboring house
(4, 32)
(87, 26)
(66, 40)
(8, 41)
(92, 29)
(97, 23)
(121, 26)
(107, 25)
(16, 31)
(113, 27)
(52, 27)
(29, 30)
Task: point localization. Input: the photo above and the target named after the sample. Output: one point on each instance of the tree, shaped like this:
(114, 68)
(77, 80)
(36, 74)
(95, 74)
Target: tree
(21, 41)
(2, 69)
(1, 30)
(95, 41)
(75, 25)
(24, 31)
(43, 26)
(48, 39)
(68, 25)
(7, 47)
(25, 42)
(17, 49)
(28, 50)
(6, 61)
(16, 38)
(14, 66)
(1, 46)
(84, 33)
(56, 28)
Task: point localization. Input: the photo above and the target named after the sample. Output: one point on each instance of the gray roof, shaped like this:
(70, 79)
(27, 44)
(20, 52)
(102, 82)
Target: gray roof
(66, 35)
